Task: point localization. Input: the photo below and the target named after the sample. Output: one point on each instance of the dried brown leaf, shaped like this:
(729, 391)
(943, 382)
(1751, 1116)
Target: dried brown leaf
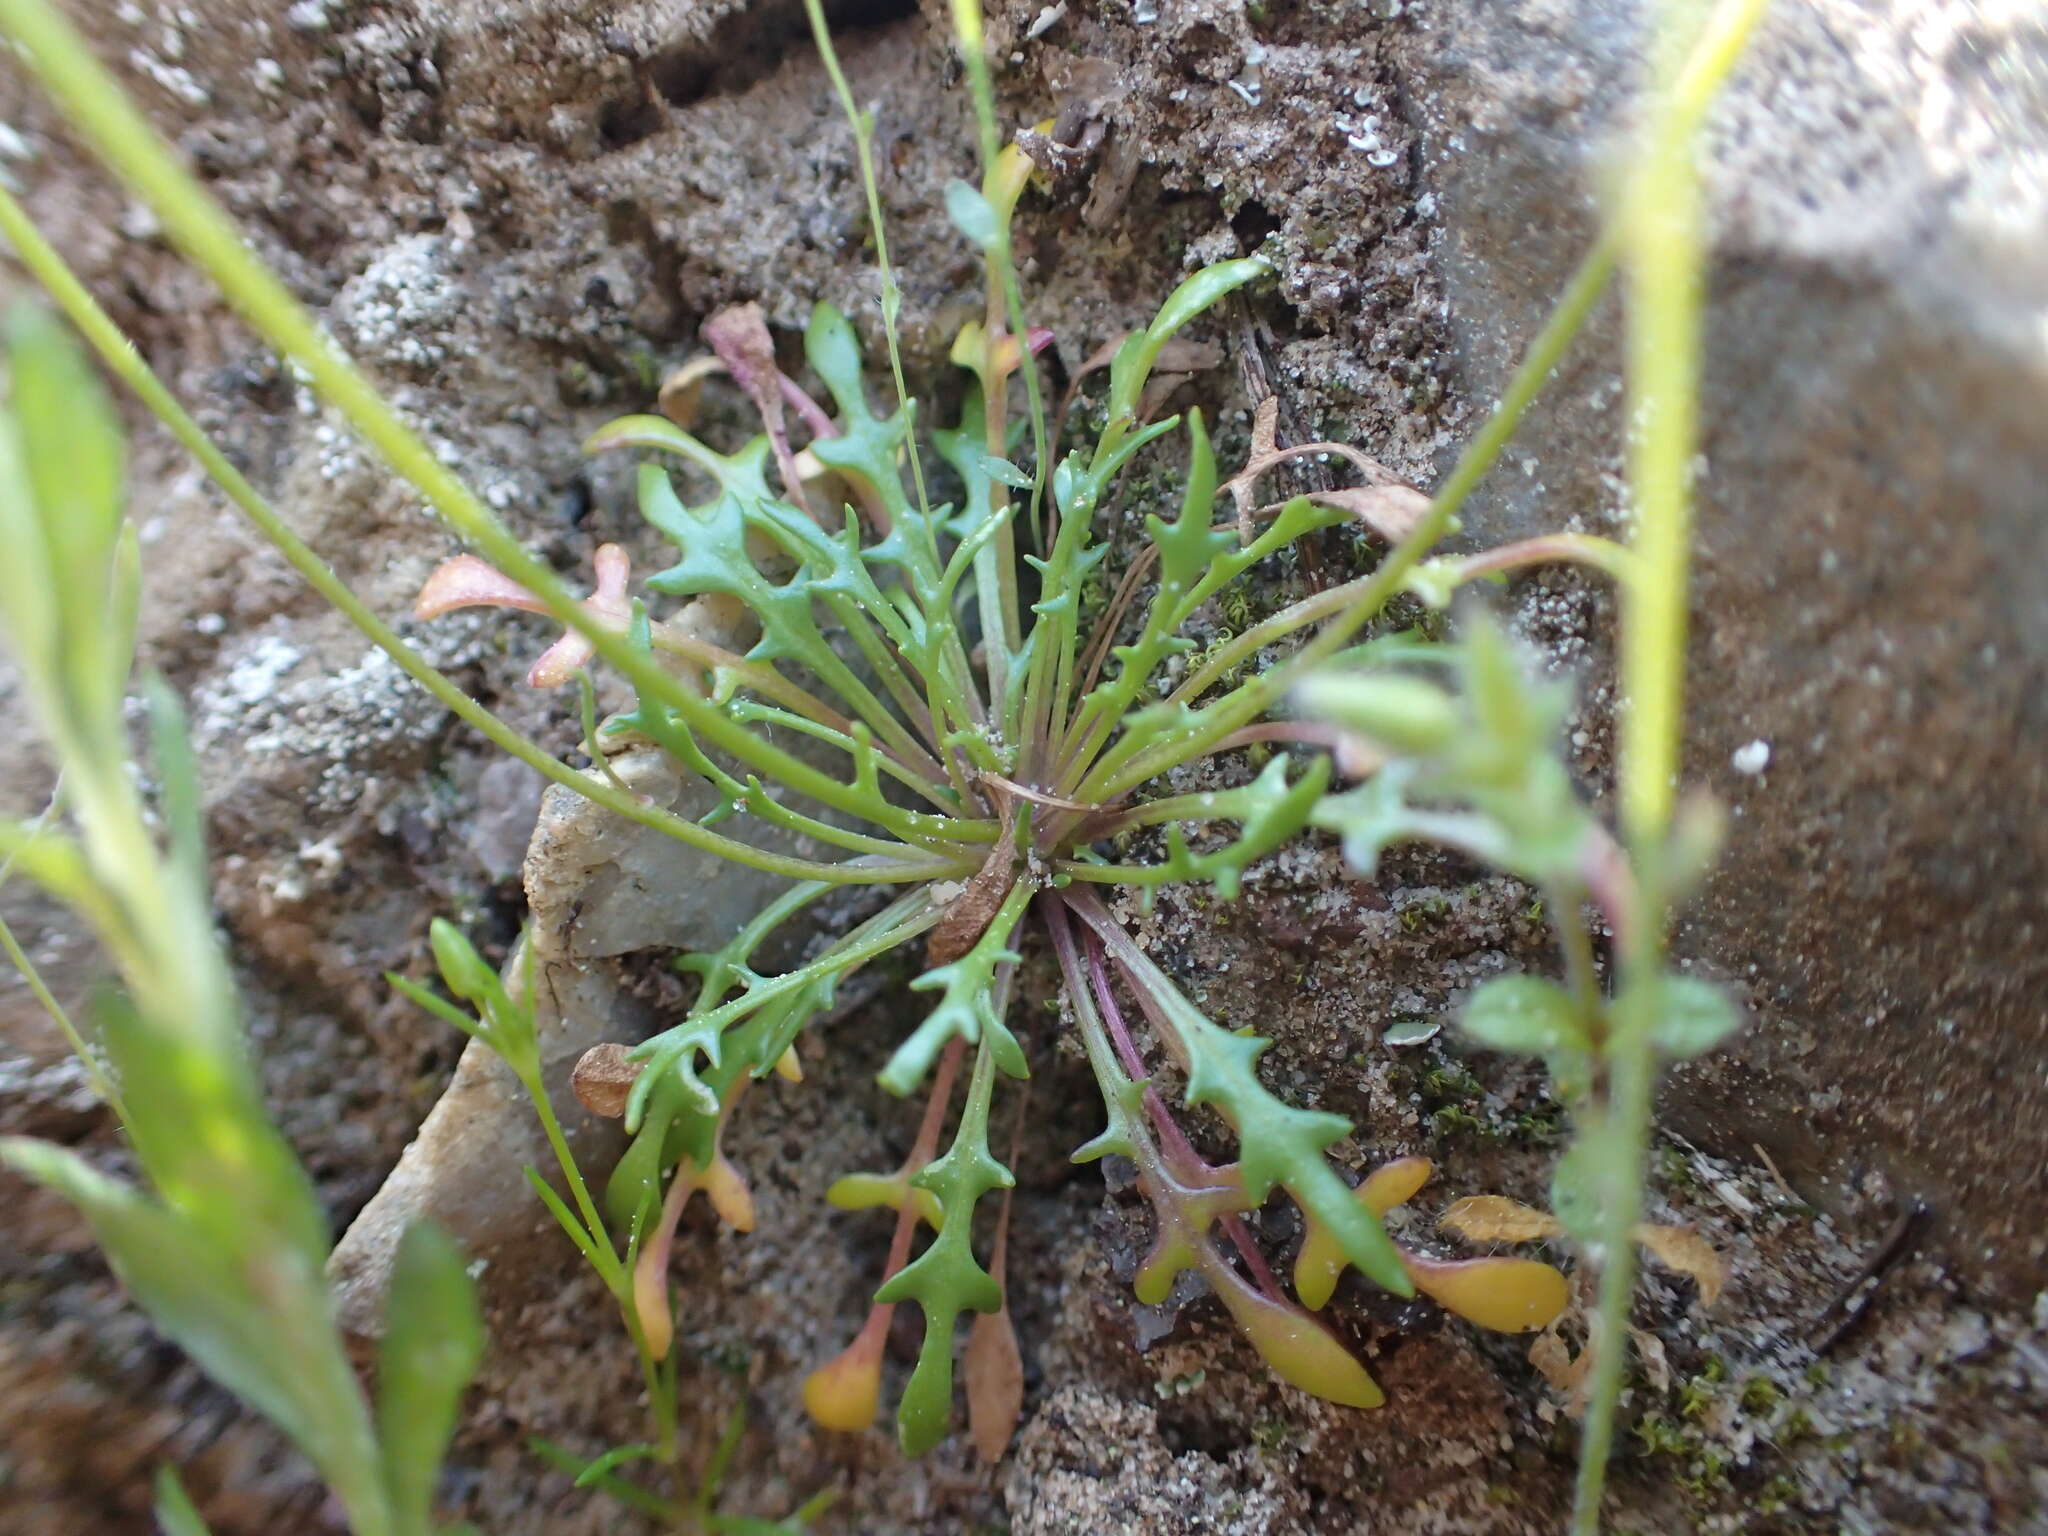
(1656, 1364)
(739, 335)
(1386, 505)
(968, 915)
(1684, 1250)
(1391, 511)
(994, 1373)
(1497, 1219)
(603, 1079)
(1570, 1375)
(684, 387)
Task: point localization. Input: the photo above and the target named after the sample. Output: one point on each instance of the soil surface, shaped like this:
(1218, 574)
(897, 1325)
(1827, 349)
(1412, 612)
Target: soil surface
(518, 214)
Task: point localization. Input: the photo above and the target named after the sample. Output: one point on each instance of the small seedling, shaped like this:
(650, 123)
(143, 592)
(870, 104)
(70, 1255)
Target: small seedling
(991, 762)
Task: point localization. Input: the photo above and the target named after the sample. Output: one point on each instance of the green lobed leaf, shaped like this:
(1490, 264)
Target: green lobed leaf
(1269, 811)
(1278, 1145)
(1188, 1197)
(433, 1341)
(946, 1279)
(1479, 772)
(967, 1005)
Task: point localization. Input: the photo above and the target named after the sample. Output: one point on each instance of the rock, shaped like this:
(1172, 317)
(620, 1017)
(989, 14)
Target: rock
(1871, 494)
(598, 887)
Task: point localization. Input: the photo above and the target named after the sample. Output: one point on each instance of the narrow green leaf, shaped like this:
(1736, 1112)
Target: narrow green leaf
(1411, 1031)
(1004, 472)
(438, 1006)
(55, 862)
(627, 1492)
(433, 1340)
(972, 214)
(618, 1456)
(71, 441)
(274, 1346)
(462, 969)
(1405, 713)
(176, 1515)
(568, 1221)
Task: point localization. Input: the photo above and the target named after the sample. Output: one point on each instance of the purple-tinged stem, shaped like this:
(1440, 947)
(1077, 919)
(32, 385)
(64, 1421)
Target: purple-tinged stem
(1175, 1140)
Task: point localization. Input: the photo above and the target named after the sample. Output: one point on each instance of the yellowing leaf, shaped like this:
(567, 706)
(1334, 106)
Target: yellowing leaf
(1321, 1262)
(845, 1393)
(1683, 1249)
(864, 1191)
(1300, 1350)
(729, 1195)
(1394, 1183)
(1506, 1295)
(1497, 1219)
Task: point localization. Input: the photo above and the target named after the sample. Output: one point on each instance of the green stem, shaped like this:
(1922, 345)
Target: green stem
(1662, 229)
(1623, 1127)
(892, 294)
(1543, 356)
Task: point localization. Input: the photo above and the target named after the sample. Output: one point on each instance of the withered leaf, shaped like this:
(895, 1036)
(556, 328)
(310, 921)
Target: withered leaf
(1570, 1375)
(994, 1373)
(1391, 511)
(970, 913)
(1684, 1250)
(1497, 1219)
(739, 335)
(603, 1079)
(1656, 1364)
(684, 387)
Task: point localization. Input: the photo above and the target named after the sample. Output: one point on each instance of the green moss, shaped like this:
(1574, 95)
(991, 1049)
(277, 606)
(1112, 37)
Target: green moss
(1708, 1477)
(1453, 1119)
(1777, 1495)
(1674, 1170)
(1760, 1395)
(1418, 915)
(1272, 1435)
(1659, 1436)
